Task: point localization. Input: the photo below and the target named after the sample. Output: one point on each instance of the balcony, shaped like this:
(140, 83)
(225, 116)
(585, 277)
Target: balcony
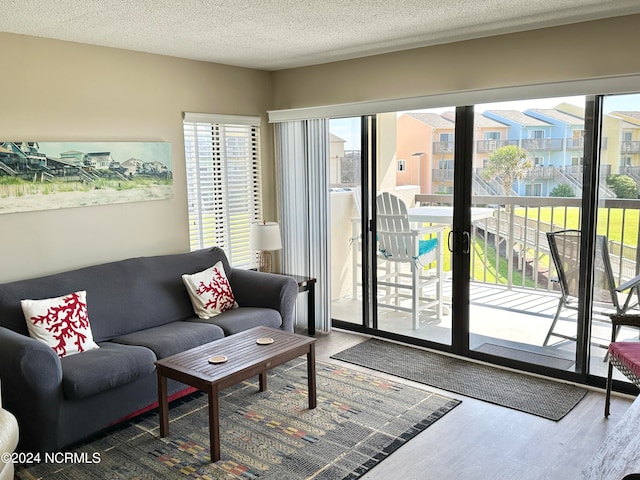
(513, 297)
(443, 147)
(630, 147)
(543, 144)
(541, 173)
(488, 146)
(574, 144)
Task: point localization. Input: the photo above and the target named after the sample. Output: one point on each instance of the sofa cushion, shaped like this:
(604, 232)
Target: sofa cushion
(243, 318)
(110, 366)
(210, 291)
(60, 322)
(172, 338)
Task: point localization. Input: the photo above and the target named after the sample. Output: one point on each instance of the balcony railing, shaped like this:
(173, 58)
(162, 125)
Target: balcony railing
(515, 236)
(542, 173)
(630, 147)
(443, 147)
(568, 174)
(573, 144)
(633, 171)
(510, 248)
(442, 175)
(487, 146)
(546, 144)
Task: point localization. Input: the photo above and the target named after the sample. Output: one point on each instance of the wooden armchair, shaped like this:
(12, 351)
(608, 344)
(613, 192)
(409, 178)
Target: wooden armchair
(625, 356)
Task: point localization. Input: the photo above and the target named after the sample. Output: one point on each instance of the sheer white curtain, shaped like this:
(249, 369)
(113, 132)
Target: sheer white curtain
(303, 199)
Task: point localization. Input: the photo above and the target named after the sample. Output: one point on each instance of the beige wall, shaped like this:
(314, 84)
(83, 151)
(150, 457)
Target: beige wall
(580, 51)
(60, 91)
(56, 91)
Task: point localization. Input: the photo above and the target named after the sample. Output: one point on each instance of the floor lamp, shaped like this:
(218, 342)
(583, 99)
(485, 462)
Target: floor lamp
(265, 237)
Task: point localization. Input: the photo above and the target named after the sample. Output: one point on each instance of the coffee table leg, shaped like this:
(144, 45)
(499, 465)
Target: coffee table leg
(263, 381)
(311, 374)
(214, 423)
(163, 405)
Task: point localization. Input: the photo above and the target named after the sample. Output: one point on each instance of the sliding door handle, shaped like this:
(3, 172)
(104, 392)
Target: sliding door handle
(449, 243)
(467, 242)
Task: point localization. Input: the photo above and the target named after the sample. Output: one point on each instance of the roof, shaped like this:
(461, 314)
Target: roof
(558, 115)
(434, 120)
(519, 117)
(485, 122)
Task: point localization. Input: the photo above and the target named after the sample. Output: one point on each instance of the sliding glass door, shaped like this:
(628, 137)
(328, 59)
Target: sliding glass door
(526, 171)
(473, 229)
(617, 259)
(412, 264)
(345, 229)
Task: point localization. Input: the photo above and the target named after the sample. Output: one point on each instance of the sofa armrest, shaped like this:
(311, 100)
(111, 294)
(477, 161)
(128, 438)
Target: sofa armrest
(31, 375)
(267, 290)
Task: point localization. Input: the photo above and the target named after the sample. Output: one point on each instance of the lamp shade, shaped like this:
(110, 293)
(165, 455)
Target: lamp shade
(265, 236)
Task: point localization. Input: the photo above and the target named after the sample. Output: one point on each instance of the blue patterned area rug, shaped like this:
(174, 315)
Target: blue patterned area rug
(360, 420)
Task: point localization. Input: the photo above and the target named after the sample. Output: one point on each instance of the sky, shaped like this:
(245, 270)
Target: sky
(349, 128)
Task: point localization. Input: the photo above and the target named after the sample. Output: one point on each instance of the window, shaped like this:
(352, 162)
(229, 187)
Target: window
(447, 137)
(222, 154)
(536, 134)
(445, 164)
(402, 165)
(492, 135)
(533, 190)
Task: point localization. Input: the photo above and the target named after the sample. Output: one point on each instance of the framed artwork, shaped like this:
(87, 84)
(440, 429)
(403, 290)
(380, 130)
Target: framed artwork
(50, 175)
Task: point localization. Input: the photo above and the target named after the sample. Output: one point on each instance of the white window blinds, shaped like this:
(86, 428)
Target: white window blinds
(222, 156)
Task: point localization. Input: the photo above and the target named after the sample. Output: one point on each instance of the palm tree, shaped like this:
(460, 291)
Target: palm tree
(507, 164)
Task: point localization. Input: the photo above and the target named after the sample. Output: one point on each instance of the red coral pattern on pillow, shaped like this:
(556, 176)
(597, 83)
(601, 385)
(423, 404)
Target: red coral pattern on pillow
(61, 322)
(210, 291)
(217, 295)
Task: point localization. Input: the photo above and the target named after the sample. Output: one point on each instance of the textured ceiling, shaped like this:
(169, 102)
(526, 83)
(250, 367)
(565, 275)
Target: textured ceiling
(277, 34)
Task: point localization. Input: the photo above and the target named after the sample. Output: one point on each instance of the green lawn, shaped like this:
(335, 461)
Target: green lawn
(499, 275)
(492, 273)
(610, 221)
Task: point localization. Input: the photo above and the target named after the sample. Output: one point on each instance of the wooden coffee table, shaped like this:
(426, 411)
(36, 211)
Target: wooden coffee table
(245, 359)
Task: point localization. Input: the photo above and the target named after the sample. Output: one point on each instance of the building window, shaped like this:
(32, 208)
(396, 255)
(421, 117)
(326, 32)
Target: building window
(402, 165)
(492, 135)
(533, 190)
(222, 155)
(537, 134)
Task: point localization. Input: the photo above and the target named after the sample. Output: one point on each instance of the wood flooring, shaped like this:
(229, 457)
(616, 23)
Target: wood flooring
(479, 440)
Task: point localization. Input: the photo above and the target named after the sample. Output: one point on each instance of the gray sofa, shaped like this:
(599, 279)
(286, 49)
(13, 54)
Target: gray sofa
(139, 311)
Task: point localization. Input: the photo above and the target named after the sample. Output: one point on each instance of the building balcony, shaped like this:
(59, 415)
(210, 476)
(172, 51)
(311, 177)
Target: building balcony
(630, 147)
(513, 294)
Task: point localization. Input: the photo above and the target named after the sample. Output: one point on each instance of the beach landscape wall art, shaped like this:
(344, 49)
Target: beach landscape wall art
(51, 175)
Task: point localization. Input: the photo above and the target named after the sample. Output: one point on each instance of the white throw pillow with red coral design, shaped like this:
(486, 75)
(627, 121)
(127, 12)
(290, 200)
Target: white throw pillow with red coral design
(61, 322)
(210, 291)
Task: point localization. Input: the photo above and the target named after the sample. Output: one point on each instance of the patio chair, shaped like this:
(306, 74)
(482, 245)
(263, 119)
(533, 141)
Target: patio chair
(397, 244)
(564, 247)
(625, 356)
